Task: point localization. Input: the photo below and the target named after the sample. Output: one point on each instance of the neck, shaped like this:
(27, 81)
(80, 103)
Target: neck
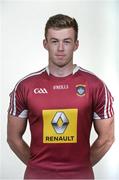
(61, 71)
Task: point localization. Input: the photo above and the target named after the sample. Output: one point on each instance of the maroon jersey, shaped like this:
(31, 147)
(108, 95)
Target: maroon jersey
(60, 111)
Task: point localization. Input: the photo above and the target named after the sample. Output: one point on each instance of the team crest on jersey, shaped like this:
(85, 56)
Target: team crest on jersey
(60, 126)
(81, 90)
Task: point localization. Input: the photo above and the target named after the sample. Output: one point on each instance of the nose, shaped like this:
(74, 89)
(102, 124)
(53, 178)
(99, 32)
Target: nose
(61, 46)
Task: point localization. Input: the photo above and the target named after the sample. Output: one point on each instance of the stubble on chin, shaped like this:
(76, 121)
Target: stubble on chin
(60, 63)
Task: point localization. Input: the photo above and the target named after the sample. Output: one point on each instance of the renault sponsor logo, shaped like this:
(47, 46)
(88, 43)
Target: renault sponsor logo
(60, 122)
(59, 138)
(60, 125)
(40, 91)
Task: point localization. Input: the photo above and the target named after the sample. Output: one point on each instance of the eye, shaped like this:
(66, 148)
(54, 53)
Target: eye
(67, 42)
(54, 41)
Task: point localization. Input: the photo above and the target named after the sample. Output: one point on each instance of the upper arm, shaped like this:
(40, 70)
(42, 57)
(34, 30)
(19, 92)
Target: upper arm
(16, 127)
(104, 128)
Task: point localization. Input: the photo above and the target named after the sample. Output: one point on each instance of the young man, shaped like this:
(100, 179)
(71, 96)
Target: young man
(60, 102)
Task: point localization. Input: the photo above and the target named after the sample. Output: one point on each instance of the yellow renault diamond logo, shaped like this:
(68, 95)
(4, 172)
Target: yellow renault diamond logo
(60, 126)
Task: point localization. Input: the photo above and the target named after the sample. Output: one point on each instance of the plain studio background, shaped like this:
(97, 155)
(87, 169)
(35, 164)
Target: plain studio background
(22, 53)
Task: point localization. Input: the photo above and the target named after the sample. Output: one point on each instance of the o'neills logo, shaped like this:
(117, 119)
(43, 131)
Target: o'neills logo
(40, 91)
(60, 126)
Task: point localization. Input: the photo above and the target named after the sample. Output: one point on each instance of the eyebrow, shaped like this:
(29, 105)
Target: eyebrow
(63, 39)
(68, 39)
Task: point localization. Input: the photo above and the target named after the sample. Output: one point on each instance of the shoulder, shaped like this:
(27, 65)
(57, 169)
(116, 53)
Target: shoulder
(92, 80)
(30, 78)
(89, 76)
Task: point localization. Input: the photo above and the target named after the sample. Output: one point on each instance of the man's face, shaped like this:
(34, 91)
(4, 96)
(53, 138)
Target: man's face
(60, 44)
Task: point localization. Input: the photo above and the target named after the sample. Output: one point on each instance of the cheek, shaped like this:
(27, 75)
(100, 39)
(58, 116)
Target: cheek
(70, 50)
(52, 48)
(52, 51)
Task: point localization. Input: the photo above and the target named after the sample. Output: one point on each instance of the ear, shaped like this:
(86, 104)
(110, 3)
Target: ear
(76, 45)
(45, 44)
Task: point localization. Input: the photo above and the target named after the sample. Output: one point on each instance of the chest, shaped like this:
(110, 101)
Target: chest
(58, 95)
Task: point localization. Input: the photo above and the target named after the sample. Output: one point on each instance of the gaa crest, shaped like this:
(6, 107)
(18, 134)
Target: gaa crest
(81, 90)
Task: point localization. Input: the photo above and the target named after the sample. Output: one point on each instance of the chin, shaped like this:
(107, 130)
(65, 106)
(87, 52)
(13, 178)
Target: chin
(61, 64)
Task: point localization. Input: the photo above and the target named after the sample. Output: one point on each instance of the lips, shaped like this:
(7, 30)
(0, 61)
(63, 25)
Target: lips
(59, 54)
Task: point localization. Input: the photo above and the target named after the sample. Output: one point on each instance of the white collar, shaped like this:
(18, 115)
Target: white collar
(76, 68)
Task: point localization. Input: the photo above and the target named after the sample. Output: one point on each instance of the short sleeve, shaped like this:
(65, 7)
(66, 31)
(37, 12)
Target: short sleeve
(103, 102)
(17, 105)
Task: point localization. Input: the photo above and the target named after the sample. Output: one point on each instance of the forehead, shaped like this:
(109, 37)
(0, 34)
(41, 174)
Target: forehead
(61, 33)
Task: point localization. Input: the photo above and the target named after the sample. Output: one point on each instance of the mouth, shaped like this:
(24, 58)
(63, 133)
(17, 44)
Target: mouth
(60, 55)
